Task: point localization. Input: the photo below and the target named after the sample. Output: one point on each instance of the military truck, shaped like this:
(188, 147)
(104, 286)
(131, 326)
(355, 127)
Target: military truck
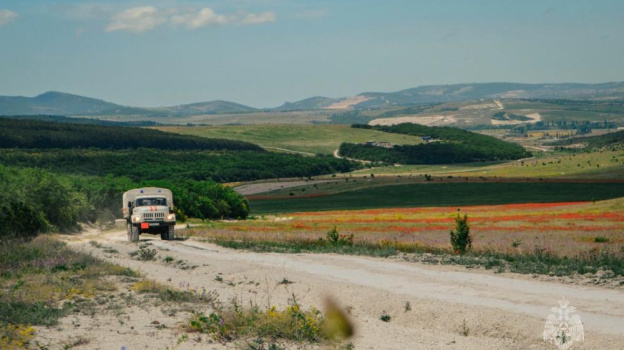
(149, 210)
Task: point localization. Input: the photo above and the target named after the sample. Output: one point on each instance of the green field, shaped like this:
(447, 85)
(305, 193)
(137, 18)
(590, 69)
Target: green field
(301, 138)
(445, 194)
(584, 165)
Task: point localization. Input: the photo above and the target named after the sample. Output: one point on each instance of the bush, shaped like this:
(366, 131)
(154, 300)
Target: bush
(335, 239)
(460, 238)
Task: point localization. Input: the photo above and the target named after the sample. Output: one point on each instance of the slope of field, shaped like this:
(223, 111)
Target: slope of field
(581, 165)
(435, 194)
(302, 138)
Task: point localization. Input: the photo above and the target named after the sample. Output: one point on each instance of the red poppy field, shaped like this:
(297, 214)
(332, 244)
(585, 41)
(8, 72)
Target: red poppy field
(561, 229)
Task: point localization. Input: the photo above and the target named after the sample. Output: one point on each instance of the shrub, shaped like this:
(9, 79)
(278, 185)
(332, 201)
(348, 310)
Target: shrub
(460, 237)
(335, 239)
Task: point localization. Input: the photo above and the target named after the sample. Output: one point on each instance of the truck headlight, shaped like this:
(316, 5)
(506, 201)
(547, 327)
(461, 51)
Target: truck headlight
(136, 219)
(171, 217)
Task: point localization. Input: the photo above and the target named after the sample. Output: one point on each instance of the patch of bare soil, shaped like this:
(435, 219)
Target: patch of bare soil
(429, 306)
(348, 102)
(430, 120)
(256, 188)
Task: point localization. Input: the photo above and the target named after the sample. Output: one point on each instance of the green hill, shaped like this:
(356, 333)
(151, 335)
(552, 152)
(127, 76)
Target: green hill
(447, 145)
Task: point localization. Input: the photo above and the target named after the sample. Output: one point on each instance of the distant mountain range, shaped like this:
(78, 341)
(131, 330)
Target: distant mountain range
(58, 103)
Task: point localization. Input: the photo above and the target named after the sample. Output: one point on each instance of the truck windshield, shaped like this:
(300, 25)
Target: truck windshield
(141, 202)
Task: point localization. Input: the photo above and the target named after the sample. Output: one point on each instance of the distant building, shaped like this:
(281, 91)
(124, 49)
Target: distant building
(426, 138)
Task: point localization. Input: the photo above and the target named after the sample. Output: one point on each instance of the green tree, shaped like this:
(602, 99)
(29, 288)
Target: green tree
(460, 237)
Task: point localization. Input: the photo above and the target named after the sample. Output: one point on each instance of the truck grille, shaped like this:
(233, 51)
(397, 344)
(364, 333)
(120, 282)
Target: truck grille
(153, 216)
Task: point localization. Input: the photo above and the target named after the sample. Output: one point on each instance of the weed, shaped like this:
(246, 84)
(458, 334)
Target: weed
(218, 278)
(76, 342)
(385, 317)
(291, 323)
(408, 306)
(168, 259)
(111, 251)
(15, 336)
(95, 244)
(285, 281)
(144, 253)
(335, 239)
(516, 243)
(599, 239)
(348, 346)
(464, 330)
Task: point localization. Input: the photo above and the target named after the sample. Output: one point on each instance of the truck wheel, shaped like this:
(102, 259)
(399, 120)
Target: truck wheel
(134, 234)
(129, 231)
(171, 233)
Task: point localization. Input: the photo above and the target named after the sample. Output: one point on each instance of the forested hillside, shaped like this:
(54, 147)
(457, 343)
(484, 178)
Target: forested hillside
(55, 175)
(614, 139)
(447, 145)
(24, 133)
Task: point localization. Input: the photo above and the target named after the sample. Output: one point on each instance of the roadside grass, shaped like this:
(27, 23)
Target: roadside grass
(235, 321)
(538, 261)
(40, 282)
(541, 238)
(431, 194)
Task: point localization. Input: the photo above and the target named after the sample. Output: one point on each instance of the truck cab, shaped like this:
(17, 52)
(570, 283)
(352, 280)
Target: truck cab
(149, 210)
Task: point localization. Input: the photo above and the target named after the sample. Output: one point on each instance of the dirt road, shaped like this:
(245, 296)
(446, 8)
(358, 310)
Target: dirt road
(450, 307)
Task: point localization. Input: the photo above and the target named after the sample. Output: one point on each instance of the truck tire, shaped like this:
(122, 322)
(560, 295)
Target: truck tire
(134, 234)
(129, 231)
(169, 235)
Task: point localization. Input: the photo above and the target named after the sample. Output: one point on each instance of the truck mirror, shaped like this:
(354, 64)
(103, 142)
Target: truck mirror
(129, 204)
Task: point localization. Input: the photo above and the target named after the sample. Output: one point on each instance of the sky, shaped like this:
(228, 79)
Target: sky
(266, 52)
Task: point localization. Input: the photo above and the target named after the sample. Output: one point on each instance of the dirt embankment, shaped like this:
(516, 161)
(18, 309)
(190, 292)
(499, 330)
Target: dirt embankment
(431, 307)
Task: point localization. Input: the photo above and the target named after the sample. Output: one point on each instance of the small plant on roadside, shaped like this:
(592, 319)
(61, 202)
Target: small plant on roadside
(408, 306)
(95, 244)
(144, 253)
(15, 336)
(599, 239)
(335, 239)
(460, 237)
(464, 330)
(516, 243)
(291, 323)
(168, 259)
(385, 317)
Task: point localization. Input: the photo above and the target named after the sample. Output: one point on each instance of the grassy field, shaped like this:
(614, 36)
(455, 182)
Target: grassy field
(434, 194)
(301, 138)
(546, 238)
(584, 165)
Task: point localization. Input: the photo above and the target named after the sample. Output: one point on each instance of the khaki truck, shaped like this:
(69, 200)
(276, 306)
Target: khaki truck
(149, 210)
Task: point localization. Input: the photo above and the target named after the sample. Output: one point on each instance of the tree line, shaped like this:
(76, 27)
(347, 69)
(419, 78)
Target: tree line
(450, 145)
(27, 133)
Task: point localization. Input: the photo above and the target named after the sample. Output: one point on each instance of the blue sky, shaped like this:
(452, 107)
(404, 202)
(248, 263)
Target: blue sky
(265, 52)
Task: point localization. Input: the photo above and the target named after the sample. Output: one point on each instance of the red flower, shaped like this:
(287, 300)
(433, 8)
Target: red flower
(457, 251)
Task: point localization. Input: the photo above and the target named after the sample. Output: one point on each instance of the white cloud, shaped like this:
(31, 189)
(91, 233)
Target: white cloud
(259, 18)
(137, 20)
(142, 19)
(7, 16)
(204, 17)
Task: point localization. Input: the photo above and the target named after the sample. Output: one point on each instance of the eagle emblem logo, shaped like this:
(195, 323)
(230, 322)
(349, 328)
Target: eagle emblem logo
(563, 326)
